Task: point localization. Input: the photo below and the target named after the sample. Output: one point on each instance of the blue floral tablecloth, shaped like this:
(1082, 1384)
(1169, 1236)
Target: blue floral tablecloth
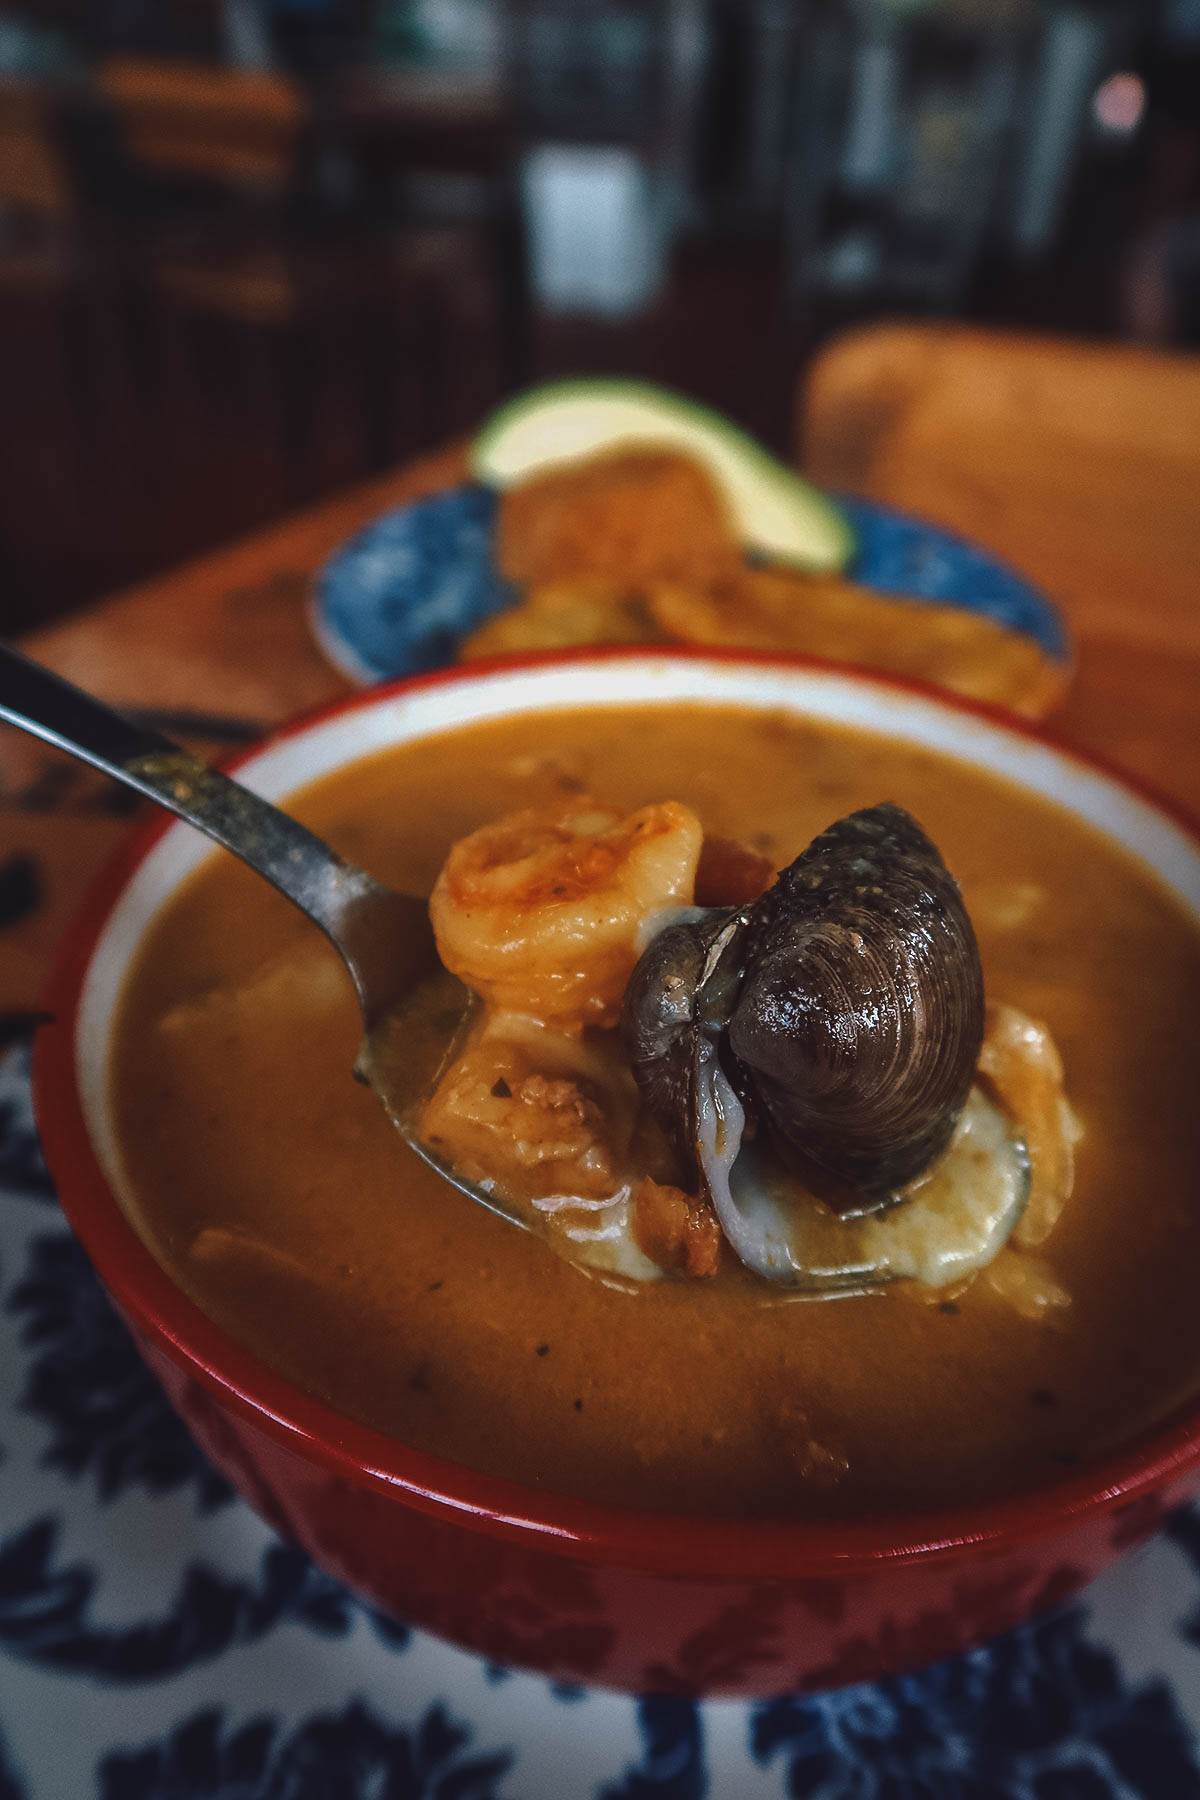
(159, 1642)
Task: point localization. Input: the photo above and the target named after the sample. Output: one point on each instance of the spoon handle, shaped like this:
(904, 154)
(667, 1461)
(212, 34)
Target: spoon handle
(299, 864)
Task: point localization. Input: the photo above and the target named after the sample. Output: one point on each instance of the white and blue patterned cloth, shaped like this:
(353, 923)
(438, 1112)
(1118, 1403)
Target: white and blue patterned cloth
(159, 1642)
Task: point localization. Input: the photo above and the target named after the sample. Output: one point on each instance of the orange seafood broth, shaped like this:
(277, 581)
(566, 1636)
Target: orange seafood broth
(275, 1192)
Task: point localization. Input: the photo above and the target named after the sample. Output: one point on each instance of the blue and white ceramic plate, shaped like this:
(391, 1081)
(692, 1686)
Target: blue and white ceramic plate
(158, 1642)
(399, 595)
(396, 599)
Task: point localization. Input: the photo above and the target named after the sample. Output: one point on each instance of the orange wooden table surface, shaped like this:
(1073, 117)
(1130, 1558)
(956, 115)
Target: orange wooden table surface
(1081, 464)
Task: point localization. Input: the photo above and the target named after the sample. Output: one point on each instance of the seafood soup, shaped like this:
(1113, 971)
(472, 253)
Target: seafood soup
(992, 1278)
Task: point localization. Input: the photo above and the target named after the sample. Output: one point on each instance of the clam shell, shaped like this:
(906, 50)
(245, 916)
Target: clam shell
(841, 1017)
(859, 1017)
(952, 1223)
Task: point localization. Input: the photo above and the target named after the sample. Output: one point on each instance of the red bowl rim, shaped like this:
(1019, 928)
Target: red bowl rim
(733, 1548)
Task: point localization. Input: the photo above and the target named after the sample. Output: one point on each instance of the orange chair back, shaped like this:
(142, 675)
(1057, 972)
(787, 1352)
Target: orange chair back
(238, 128)
(34, 179)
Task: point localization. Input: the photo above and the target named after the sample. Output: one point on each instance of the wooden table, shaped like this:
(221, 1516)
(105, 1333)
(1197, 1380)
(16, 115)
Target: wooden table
(1080, 463)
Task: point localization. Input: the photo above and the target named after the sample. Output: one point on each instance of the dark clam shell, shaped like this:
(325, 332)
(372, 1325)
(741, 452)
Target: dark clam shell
(847, 1005)
(677, 1005)
(860, 1015)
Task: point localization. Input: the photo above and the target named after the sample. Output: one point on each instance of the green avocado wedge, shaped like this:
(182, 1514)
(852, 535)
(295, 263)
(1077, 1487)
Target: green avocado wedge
(776, 513)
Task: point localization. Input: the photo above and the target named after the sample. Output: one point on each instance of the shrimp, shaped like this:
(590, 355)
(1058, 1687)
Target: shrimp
(539, 912)
(545, 1119)
(1028, 1284)
(1020, 1069)
(675, 1229)
(1021, 1064)
(533, 1111)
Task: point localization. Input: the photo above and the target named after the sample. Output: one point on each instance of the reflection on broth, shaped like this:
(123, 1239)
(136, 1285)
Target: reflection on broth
(277, 1194)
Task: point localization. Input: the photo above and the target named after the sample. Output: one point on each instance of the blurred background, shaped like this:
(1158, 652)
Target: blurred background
(251, 250)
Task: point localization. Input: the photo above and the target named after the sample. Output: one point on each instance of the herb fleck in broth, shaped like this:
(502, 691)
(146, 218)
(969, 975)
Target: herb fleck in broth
(274, 1190)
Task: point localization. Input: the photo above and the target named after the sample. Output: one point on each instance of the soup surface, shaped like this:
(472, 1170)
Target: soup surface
(273, 1189)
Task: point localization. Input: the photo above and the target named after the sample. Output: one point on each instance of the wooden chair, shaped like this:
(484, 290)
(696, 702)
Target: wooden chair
(1075, 460)
(140, 362)
(224, 148)
(35, 182)
(228, 353)
(239, 129)
(984, 431)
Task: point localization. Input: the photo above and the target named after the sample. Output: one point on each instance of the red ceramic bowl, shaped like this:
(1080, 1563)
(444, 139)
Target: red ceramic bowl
(588, 1592)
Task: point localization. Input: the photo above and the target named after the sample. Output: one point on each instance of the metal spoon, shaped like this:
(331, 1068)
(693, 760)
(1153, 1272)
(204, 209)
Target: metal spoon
(384, 938)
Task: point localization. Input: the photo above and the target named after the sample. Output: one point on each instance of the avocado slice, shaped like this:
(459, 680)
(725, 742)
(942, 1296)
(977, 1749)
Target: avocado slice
(776, 514)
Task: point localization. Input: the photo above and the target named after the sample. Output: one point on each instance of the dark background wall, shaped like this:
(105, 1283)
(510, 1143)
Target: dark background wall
(250, 251)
